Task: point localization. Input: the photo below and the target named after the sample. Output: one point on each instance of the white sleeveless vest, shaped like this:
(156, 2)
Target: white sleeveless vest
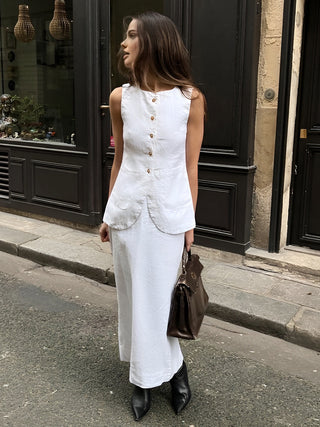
(154, 162)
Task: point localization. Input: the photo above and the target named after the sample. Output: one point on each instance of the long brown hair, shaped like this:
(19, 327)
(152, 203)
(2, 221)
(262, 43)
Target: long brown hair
(162, 53)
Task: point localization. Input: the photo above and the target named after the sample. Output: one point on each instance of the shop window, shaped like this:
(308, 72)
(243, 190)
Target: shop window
(37, 73)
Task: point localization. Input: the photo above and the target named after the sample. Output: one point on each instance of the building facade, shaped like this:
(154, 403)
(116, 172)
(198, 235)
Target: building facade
(253, 59)
(286, 209)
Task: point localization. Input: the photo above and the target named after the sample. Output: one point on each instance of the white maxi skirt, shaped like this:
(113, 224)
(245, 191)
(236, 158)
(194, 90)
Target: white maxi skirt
(146, 266)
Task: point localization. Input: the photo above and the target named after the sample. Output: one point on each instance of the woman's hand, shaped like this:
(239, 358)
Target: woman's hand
(189, 238)
(104, 232)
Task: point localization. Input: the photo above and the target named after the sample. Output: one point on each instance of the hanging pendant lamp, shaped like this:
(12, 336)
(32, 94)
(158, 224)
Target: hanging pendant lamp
(24, 30)
(60, 26)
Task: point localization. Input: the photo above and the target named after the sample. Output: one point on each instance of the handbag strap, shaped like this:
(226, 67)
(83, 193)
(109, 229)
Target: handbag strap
(186, 256)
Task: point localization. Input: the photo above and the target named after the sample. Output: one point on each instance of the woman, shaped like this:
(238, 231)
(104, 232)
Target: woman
(157, 122)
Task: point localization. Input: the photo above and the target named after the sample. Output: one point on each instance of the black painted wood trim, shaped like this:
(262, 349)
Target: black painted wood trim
(38, 148)
(88, 97)
(220, 244)
(173, 9)
(14, 163)
(187, 23)
(228, 168)
(180, 11)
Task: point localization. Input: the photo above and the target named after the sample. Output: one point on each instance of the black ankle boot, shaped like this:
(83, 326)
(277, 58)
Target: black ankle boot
(140, 402)
(181, 393)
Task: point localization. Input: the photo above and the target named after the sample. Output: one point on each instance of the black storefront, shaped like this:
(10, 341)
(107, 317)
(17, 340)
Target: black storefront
(55, 162)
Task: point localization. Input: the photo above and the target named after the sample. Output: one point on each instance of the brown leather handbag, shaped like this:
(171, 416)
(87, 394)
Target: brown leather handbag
(189, 300)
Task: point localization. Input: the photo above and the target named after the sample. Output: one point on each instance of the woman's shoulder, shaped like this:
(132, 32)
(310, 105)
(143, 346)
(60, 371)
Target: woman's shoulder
(198, 102)
(194, 92)
(116, 94)
(115, 100)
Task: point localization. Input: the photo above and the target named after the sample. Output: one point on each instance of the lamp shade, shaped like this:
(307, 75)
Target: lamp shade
(24, 30)
(60, 26)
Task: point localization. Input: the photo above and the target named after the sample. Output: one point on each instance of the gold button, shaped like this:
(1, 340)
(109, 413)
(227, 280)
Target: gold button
(152, 117)
(148, 170)
(150, 153)
(151, 135)
(154, 99)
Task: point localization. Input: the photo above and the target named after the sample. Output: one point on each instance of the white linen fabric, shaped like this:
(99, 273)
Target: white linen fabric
(146, 263)
(149, 210)
(153, 165)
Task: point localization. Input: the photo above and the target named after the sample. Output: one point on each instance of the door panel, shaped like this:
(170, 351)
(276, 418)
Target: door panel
(224, 51)
(217, 68)
(310, 231)
(305, 211)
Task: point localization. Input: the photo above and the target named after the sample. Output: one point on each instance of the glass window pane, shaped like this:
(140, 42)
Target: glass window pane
(38, 74)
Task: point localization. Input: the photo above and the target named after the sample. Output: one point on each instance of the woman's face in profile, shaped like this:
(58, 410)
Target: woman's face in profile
(130, 45)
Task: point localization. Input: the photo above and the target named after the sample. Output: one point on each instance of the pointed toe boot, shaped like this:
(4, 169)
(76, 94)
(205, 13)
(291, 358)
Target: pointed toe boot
(181, 393)
(140, 402)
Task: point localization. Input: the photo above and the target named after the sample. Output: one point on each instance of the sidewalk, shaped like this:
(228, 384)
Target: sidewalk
(278, 294)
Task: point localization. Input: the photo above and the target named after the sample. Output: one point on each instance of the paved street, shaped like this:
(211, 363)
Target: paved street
(59, 363)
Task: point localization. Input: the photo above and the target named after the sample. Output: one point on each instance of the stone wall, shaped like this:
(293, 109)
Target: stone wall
(266, 117)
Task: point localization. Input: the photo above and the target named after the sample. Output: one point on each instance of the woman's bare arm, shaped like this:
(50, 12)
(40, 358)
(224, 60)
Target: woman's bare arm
(193, 145)
(117, 131)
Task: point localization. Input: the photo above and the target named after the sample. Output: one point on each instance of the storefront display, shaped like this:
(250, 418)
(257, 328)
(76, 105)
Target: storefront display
(37, 70)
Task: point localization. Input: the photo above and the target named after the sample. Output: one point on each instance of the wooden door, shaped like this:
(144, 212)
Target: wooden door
(224, 45)
(305, 210)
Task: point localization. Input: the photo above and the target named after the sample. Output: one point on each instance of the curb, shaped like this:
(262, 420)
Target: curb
(93, 273)
(288, 332)
(290, 328)
(290, 262)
